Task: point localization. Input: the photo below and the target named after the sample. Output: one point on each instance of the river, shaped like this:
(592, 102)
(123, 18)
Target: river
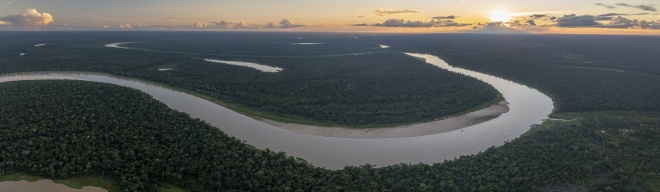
(527, 106)
(43, 186)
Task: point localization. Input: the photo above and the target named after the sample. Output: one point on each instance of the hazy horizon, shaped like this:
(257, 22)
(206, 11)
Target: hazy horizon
(563, 16)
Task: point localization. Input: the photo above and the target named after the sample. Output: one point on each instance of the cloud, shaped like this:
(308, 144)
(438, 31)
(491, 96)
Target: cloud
(606, 6)
(416, 24)
(615, 22)
(383, 12)
(610, 16)
(404, 23)
(620, 22)
(31, 17)
(649, 24)
(228, 24)
(8, 2)
(576, 21)
(531, 22)
(200, 25)
(285, 23)
(642, 7)
(538, 16)
(125, 26)
(445, 17)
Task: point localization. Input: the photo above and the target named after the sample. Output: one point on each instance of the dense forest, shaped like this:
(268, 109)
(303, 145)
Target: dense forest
(604, 87)
(580, 72)
(61, 129)
(367, 90)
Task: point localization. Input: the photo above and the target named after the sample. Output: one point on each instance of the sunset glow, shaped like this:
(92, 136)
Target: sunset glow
(500, 16)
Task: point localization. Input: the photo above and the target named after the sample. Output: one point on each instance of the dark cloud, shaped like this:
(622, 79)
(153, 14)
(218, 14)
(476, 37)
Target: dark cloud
(445, 17)
(649, 24)
(604, 18)
(610, 16)
(31, 17)
(538, 16)
(623, 14)
(531, 22)
(576, 21)
(383, 12)
(642, 7)
(361, 24)
(620, 22)
(606, 6)
(615, 22)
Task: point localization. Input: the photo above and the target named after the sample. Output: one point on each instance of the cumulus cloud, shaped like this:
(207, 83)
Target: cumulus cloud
(606, 6)
(125, 26)
(642, 7)
(649, 24)
(285, 23)
(620, 22)
(416, 24)
(614, 22)
(200, 24)
(31, 17)
(228, 24)
(445, 17)
(531, 22)
(576, 21)
(383, 12)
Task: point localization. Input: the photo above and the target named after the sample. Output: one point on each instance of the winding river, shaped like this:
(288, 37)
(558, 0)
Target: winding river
(527, 106)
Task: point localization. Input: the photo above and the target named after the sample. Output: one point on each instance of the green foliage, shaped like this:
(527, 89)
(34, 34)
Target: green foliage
(388, 88)
(62, 129)
(580, 72)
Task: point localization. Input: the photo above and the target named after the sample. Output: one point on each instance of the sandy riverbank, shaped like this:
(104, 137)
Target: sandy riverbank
(429, 128)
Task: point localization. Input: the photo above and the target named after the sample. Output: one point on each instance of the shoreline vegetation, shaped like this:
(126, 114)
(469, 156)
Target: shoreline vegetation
(488, 110)
(581, 151)
(72, 182)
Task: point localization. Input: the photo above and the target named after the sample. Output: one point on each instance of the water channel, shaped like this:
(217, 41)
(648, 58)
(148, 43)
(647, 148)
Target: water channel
(527, 106)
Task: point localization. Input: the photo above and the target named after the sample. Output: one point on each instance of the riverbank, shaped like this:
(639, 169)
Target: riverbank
(413, 130)
(79, 184)
(527, 106)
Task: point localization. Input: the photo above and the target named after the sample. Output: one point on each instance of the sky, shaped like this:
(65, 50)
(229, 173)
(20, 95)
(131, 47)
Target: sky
(329, 15)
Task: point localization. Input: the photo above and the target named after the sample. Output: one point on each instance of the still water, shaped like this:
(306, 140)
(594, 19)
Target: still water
(43, 186)
(527, 106)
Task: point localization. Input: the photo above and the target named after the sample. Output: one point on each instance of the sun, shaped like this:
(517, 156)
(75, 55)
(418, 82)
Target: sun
(500, 16)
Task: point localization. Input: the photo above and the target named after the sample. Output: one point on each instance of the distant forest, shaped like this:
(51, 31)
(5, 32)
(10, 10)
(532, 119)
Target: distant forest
(580, 72)
(382, 89)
